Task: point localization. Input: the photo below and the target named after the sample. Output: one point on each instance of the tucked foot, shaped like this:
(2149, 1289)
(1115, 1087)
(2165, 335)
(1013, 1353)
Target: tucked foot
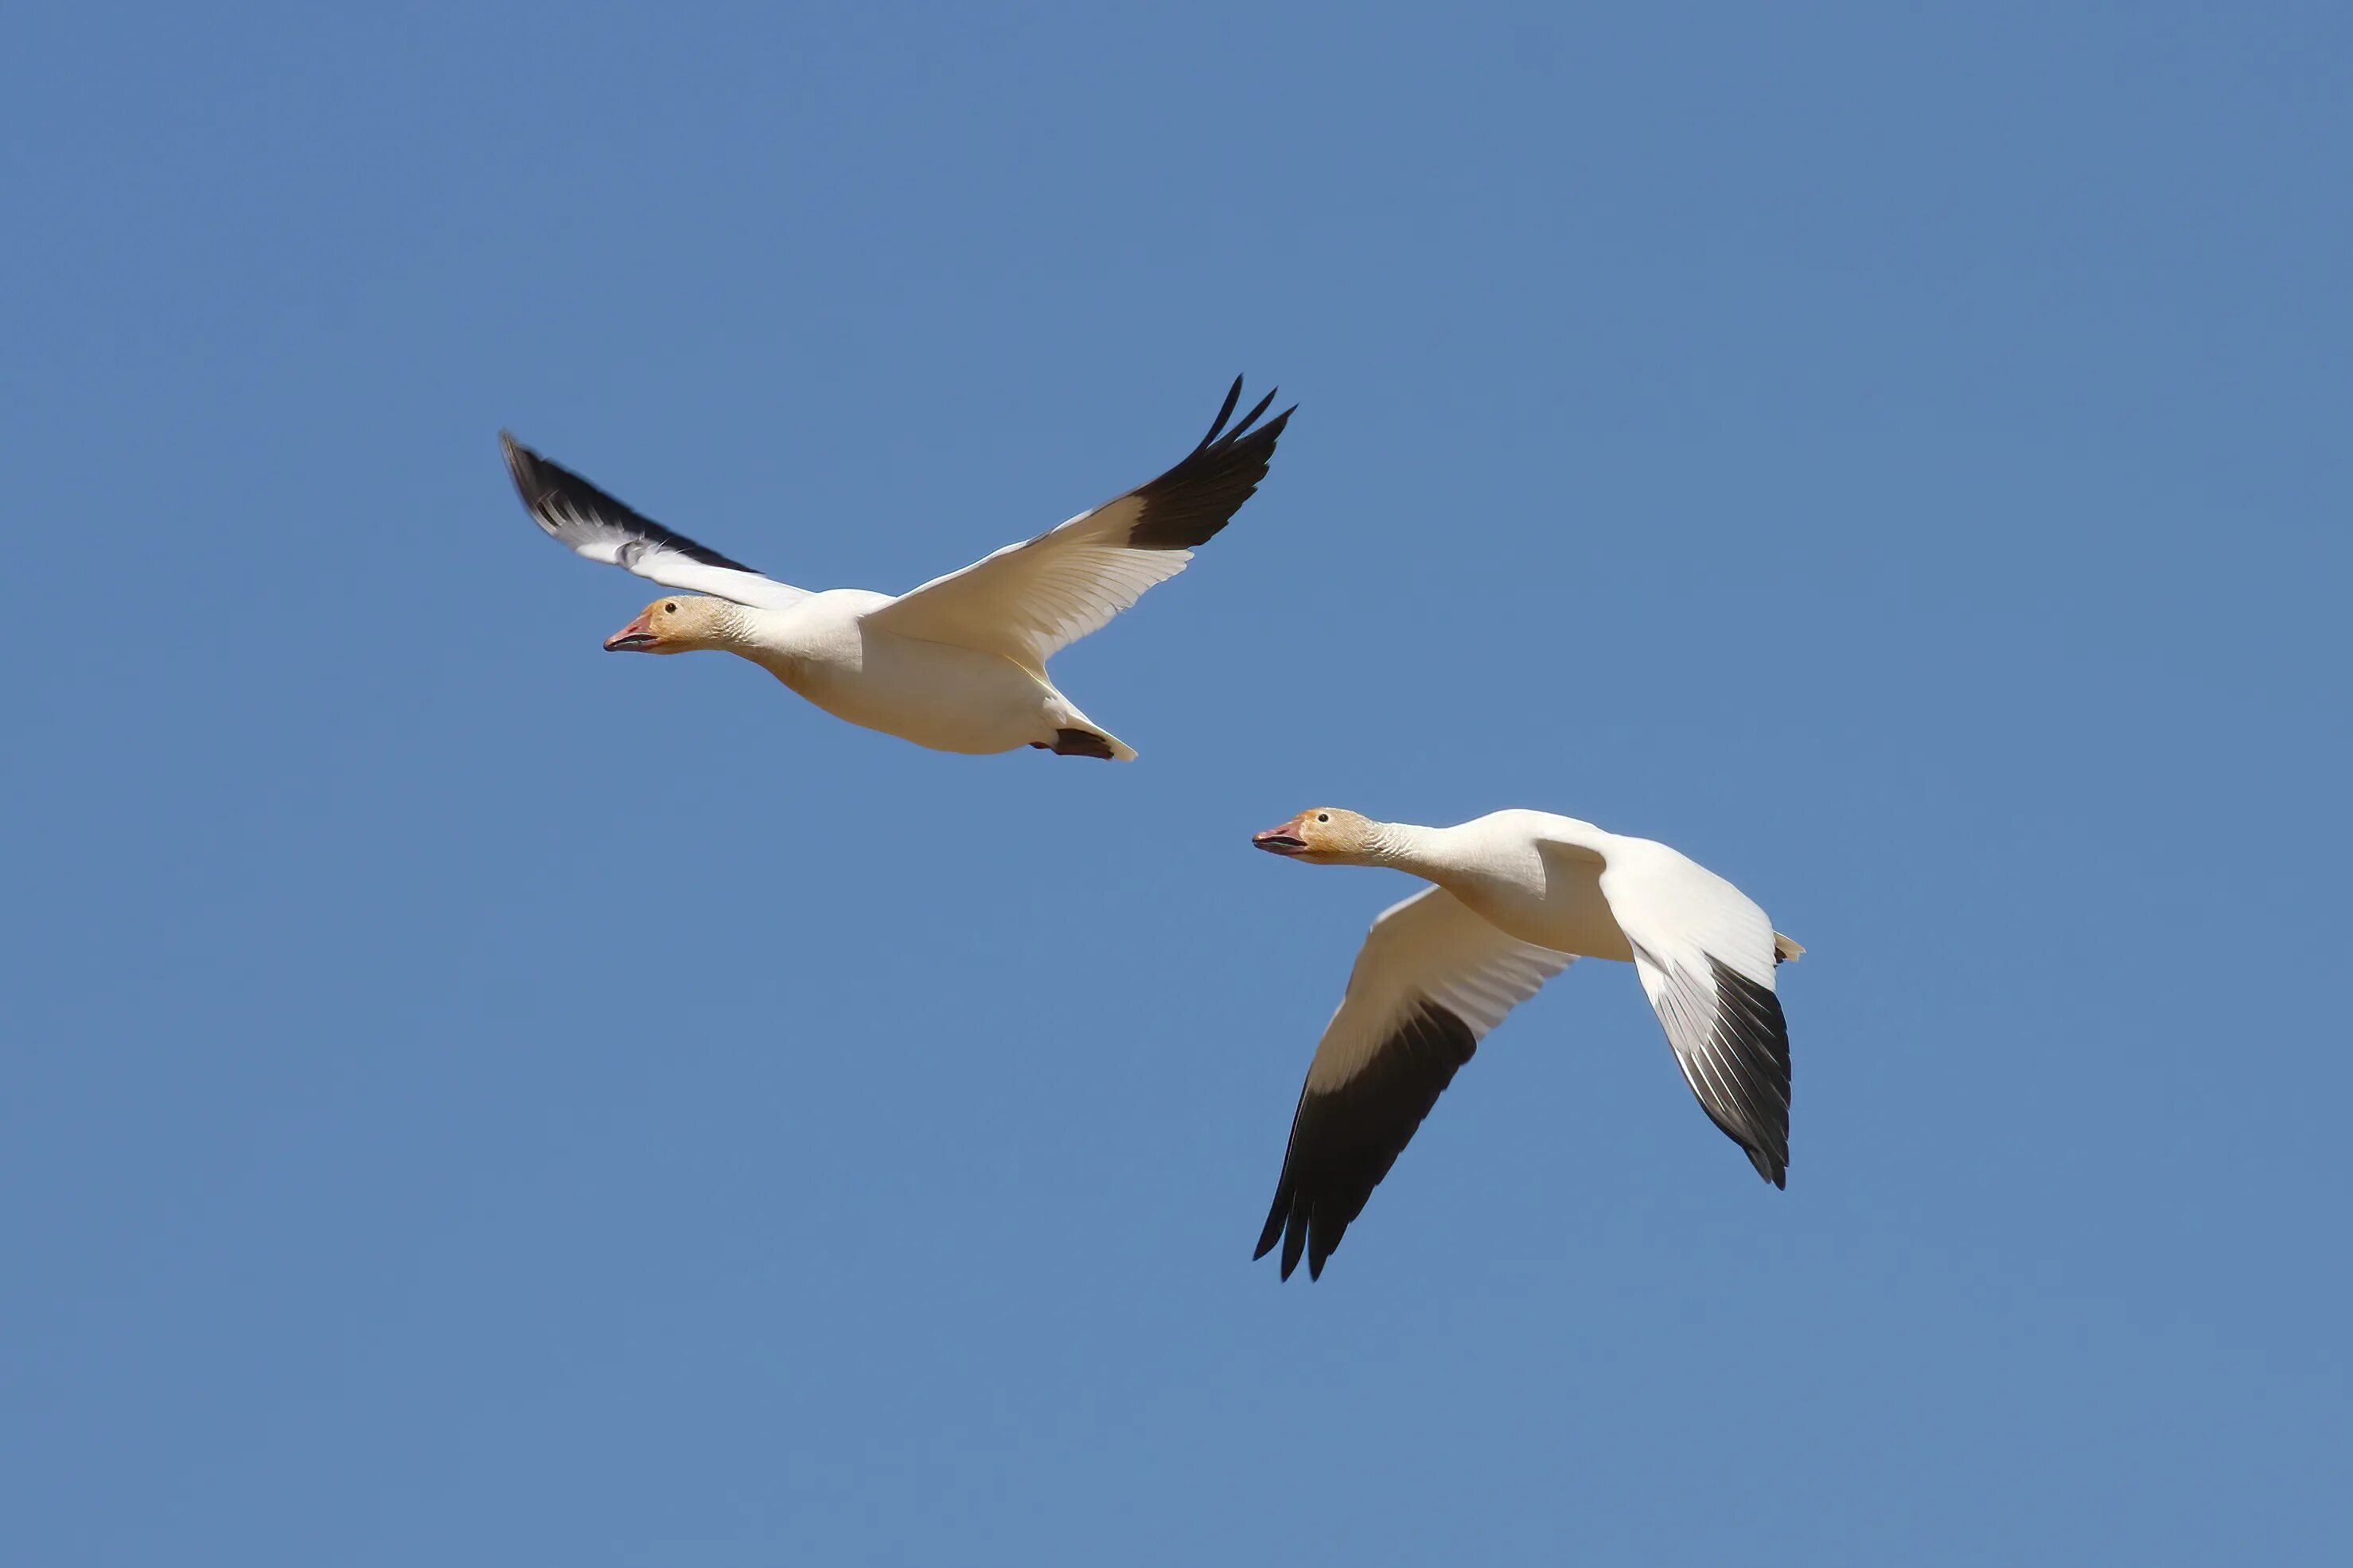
(1081, 743)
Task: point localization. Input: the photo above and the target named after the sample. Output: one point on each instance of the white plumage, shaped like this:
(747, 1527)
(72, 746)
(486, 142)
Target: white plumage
(1518, 894)
(958, 664)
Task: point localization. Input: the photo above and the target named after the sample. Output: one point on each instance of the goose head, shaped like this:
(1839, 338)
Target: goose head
(1322, 835)
(676, 625)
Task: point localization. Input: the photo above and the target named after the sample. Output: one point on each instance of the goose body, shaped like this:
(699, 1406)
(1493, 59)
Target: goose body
(1516, 897)
(956, 665)
(828, 650)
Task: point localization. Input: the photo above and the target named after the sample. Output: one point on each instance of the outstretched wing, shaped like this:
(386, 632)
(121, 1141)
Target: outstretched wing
(574, 512)
(1029, 600)
(1705, 954)
(1431, 980)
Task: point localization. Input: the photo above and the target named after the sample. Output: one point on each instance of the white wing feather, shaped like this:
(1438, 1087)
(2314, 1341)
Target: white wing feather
(1029, 600)
(1704, 953)
(1430, 947)
(593, 524)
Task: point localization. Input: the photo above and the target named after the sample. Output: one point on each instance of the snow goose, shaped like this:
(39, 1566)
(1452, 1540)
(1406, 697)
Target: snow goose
(958, 664)
(1519, 894)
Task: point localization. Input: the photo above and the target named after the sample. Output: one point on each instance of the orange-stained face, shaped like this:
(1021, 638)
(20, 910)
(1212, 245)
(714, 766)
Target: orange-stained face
(1316, 834)
(671, 626)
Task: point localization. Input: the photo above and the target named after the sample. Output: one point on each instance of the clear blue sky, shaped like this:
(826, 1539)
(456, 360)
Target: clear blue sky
(468, 1099)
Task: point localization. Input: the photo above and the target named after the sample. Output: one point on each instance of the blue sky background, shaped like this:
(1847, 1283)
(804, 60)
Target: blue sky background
(468, 1099)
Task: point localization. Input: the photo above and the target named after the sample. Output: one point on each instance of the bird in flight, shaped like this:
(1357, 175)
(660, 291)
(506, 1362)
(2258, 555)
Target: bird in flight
(1517, 896)
(958, 664)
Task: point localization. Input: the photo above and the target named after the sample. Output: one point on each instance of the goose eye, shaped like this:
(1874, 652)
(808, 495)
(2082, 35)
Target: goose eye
(1323, 816)
(670, 609)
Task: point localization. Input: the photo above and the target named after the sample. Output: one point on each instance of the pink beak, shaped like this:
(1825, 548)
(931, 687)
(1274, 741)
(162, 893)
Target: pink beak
(635, 637)
(1286, 839)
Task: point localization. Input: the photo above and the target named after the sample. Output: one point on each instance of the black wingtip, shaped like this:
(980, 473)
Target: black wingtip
(1219, 436)
(535, 478)
(1274, 1231)
(1345, 1139)
(523, 467)
(1233, 396)
(1752, 1086)
(1186, 506)
(1251, 417)
(558, 499)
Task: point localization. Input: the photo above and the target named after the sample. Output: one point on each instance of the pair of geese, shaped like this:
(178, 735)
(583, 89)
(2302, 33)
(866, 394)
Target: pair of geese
(959, 665)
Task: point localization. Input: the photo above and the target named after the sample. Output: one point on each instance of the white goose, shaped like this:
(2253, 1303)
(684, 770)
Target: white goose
(957, 665)
(1519, 894)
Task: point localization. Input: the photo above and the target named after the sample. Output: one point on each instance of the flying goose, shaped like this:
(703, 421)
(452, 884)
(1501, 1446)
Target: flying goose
(958, 664)
(1519, 894)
